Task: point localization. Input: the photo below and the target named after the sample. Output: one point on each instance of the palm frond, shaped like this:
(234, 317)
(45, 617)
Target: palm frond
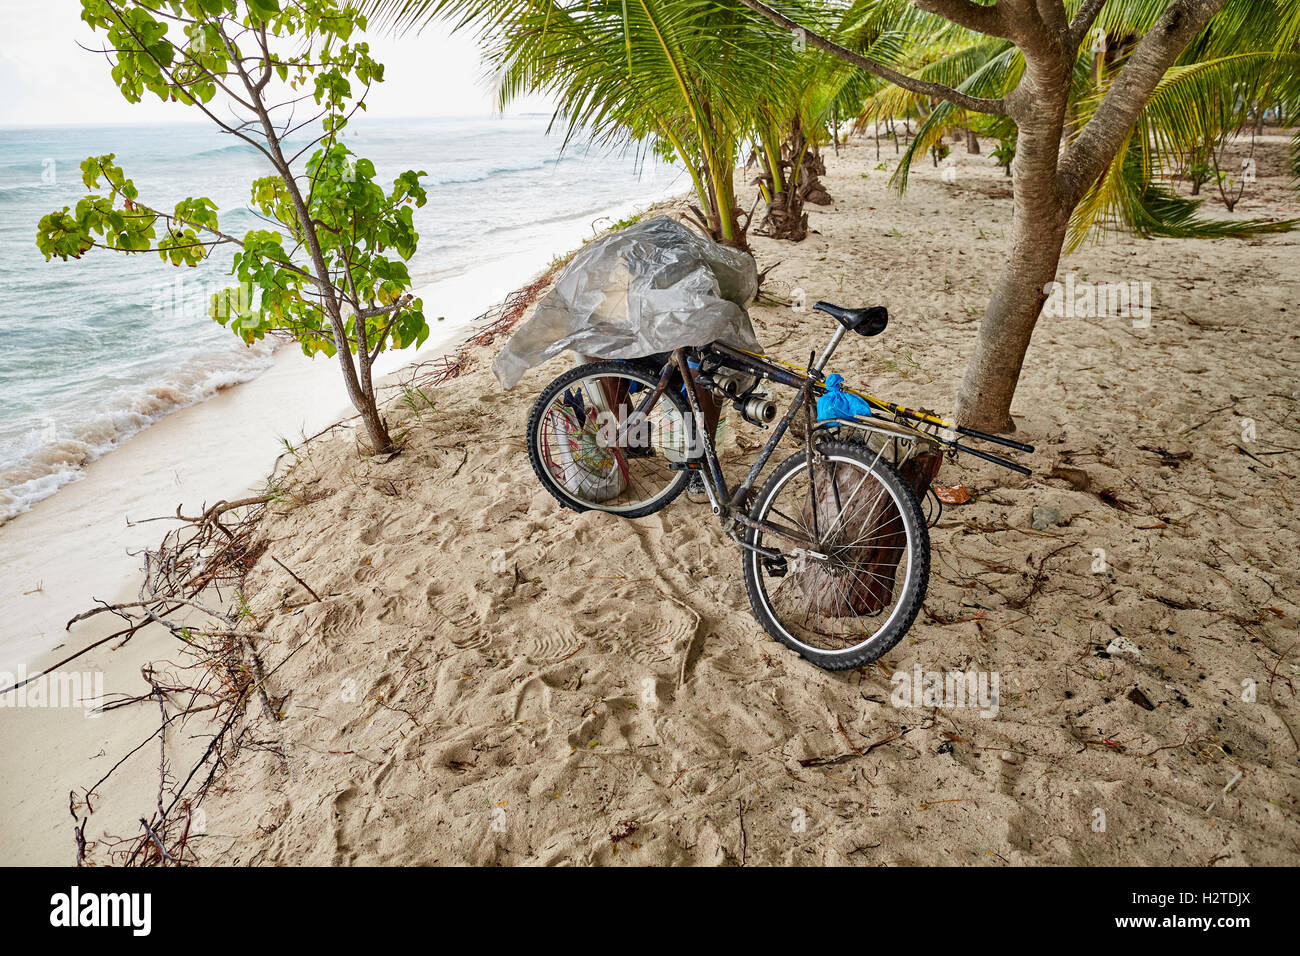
(1127, 197)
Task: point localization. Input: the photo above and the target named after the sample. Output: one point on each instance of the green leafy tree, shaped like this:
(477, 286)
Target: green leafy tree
(330, 269)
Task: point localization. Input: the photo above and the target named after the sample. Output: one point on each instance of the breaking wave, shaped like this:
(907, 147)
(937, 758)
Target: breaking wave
(42, 460)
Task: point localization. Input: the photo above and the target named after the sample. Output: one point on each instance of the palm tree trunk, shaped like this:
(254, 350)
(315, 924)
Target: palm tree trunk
(993, 371)
(724, 191)
(770, 139)
(1040, 220)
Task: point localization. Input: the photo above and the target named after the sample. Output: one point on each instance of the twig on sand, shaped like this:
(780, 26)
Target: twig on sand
(1039, 577)
(744, 838)
(78, 827)
(1188, 431)
(464, 457)
(1243, 451)
(841, 758)
(199, 565)
(690, 641)
(162, 744)
(1272, 674)
(845, 734)
(307, 586)
(157, 842)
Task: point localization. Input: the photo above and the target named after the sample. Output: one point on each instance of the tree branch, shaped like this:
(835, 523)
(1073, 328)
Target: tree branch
(371, 311)
(180, 85)
(1083, 20)
(977, 104)
(1052, 13)
(222, 237)
(395, 308)
(1094, 148)
(966, 13)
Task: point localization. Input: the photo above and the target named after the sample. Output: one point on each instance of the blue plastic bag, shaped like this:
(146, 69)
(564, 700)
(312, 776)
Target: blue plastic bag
(837, 403)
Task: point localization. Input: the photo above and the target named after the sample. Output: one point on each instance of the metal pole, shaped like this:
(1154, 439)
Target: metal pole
(826, 356)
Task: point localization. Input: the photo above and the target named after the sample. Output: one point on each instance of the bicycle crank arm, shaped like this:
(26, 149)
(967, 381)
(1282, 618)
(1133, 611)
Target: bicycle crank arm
(802, 553)
(745, 545)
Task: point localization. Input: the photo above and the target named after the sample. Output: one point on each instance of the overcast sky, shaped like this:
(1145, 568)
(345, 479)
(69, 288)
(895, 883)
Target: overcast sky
(46, 78)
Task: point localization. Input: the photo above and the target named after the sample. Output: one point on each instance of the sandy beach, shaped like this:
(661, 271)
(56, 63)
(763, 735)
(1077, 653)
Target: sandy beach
(69, 549)
(71, 552)
(488, 678)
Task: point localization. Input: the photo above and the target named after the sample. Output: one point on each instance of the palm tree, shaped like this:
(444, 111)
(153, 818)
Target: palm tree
(789, 133)
(1069, 148)
(1246, 62)
(678, 78)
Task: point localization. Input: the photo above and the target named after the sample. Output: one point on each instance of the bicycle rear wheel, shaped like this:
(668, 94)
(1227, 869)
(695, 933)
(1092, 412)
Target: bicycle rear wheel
(592, 453)
(846, 576)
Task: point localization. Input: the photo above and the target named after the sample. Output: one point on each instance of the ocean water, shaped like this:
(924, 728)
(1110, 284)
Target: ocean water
(96, 349)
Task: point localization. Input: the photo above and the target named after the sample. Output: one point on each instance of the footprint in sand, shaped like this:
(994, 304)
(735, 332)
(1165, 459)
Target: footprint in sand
(366, 570)
(391, 609)
(533, 702)
(374, 533)
(456, 620)
(646, 627)
(549, 643)
(340, 616)
(349, 824)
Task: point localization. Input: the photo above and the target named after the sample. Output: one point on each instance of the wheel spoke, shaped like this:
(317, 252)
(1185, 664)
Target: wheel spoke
(629, 475)
(843, 596)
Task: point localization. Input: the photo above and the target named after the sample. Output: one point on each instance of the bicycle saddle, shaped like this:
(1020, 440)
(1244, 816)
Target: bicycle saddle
(869, 321)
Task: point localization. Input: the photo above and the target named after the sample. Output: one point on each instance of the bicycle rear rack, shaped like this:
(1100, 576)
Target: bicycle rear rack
(895, 442)
(897, 432)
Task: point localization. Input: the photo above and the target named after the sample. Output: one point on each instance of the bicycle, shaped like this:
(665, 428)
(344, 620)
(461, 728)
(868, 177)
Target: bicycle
(834, 544)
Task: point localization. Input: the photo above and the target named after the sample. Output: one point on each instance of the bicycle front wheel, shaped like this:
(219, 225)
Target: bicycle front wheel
(593, 452)
(846, 565)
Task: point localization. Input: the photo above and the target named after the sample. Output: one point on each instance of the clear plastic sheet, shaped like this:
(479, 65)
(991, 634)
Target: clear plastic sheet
(652, 287)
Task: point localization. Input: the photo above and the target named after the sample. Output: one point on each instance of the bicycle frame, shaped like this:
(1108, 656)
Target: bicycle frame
(726, 502)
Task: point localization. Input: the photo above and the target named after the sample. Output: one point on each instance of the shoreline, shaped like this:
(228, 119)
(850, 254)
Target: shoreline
(60, 745)
(216, 448)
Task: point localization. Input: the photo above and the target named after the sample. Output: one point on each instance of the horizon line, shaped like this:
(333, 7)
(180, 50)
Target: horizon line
(209, 124)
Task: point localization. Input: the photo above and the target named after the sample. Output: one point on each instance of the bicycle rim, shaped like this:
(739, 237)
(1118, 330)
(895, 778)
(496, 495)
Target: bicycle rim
(846, 575)
(598, 454)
